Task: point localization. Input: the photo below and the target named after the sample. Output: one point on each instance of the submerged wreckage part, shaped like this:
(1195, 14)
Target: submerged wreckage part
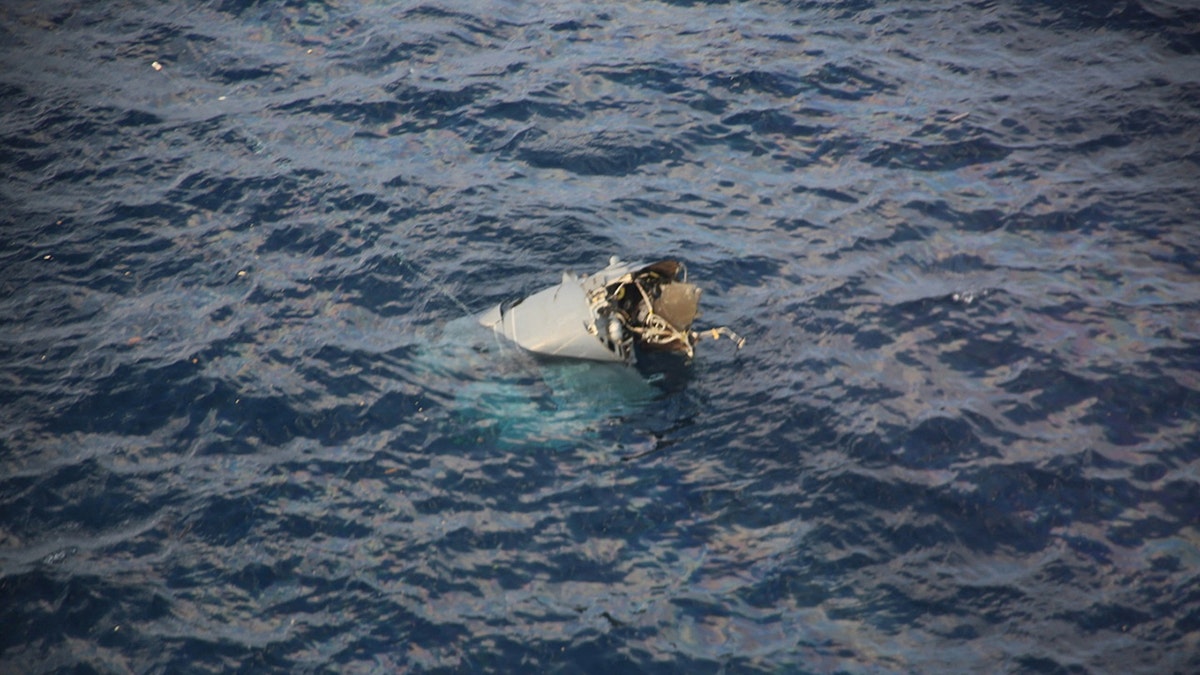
(603, 316)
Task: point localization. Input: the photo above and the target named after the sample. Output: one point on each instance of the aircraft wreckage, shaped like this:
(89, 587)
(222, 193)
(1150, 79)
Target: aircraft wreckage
(612, 315)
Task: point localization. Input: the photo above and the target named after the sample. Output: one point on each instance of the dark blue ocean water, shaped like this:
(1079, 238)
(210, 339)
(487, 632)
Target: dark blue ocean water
(245, 427)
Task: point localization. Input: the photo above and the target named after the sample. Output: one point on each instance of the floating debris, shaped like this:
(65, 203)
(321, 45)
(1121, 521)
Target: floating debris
(609, 315)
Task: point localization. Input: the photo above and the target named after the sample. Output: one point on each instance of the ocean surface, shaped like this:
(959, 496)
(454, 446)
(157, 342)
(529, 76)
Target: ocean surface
(247, 423)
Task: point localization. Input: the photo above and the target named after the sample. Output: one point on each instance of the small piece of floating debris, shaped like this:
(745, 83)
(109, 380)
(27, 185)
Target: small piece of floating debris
(609, 315)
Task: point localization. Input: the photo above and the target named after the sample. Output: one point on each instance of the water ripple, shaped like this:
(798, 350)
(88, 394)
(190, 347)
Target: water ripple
(248, 421)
